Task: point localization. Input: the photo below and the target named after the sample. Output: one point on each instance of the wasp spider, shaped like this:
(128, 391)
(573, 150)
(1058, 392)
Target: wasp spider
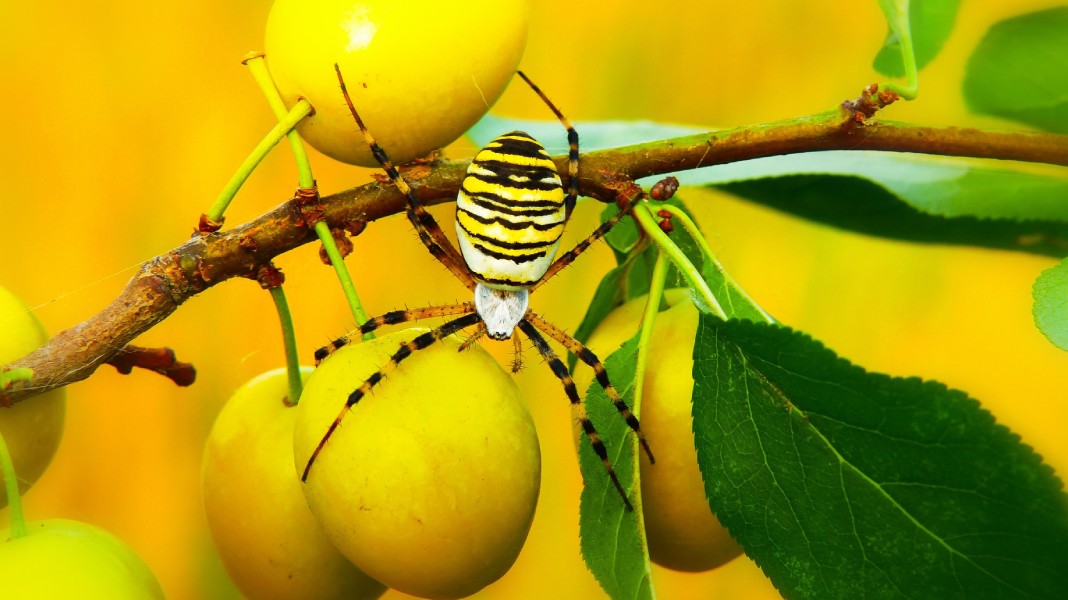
(510, 214)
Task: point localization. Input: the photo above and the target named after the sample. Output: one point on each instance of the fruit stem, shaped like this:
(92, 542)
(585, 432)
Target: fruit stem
(289, 340)
(257, 66)
(687, 223)
(652, 307)
(897, 16)
(693, 277)
(343, 276)
(302, 109)
(11, 485)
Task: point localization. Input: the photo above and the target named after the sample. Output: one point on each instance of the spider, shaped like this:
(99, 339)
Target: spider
(510, 214)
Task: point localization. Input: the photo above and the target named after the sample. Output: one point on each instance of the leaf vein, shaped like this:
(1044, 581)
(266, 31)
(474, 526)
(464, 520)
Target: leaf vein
(842, 460)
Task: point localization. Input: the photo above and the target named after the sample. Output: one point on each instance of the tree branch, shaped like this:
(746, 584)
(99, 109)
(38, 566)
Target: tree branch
(160, 360)
(165, 282)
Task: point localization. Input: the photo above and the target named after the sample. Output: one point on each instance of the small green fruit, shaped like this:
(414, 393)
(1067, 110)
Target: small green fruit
(34, 426)
(67, 559)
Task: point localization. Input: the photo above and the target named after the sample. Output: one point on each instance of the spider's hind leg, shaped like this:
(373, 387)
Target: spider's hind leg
(393, 318)
(577, 404)
(585, 355)
(517, 354)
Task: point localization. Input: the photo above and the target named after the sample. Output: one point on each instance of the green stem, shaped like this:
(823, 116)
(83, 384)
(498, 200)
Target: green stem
(343, 276)
(897, 16)
(302, 109)
(289, 340)
(687, 223)
(258, 67)
(678, 258)
(652, 307)
(11, 485)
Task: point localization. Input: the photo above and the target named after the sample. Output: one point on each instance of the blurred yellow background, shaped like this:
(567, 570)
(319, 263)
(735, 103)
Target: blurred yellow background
(123, 120)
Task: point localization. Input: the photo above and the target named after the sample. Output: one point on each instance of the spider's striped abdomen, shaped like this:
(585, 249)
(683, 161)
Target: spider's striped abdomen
(510, 212)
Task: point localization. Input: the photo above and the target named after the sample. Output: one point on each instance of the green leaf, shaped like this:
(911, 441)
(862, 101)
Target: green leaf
(621, 238)
(736, 304)
(609, 295)
(841, 483)
(593, 135)
(612, 538)
(1050, 293)
(910, 197)
(631, 277)
(930, 23)
(1019, 71)
(641, 274)
(857, 204)
(948, 187)
(734, 301)
(682, 238)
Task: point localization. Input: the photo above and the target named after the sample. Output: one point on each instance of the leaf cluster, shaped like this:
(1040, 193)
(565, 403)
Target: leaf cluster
(839, 482)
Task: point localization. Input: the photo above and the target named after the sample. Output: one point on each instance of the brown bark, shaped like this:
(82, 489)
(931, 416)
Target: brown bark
(165, 282)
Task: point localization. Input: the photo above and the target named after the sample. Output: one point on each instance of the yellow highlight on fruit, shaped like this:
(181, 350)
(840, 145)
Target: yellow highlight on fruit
(430, 483)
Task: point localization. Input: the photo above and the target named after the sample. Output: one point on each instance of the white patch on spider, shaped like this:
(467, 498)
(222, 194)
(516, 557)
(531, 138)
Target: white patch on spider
(500, 309)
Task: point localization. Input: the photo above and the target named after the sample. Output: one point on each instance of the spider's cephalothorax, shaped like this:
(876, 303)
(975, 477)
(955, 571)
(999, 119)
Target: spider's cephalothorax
(510, 214)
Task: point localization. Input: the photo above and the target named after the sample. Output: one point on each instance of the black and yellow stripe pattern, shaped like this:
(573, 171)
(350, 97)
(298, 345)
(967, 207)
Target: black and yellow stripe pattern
(510, 212)
(393, 318)
(510, 215)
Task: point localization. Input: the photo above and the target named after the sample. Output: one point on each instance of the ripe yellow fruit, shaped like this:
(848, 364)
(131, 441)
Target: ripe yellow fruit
(268, 540)
(68, 559)
(421, 72)
(429, 484)
(683, 533)
(34, 426)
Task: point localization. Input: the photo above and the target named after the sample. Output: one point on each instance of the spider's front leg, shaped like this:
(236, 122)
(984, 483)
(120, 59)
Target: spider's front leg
(425, 225)
(568, 257)
(418, 343)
